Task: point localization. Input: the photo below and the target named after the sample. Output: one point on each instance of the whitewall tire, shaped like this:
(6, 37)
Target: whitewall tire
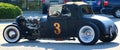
(88, 34)
(12, 34)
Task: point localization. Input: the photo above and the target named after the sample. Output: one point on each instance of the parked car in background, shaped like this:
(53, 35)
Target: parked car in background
(63, 22)
(111, 7)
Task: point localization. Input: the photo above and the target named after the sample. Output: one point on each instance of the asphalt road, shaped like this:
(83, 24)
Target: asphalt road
(24, 44)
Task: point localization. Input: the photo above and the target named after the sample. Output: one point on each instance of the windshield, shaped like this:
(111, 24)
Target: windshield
(54, 9)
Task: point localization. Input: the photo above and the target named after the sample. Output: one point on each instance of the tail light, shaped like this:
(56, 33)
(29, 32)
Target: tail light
(65, 1)
(106, 3)
(43, 1)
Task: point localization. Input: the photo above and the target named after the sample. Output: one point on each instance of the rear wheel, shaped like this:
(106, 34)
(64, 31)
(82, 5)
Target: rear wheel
(12, 34)
(88, 34)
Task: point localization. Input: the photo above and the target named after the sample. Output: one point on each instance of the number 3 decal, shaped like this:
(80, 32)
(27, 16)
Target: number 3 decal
(57, 28)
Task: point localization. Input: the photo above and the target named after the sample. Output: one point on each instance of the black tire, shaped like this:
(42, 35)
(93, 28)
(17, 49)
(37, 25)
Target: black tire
(116, 12)
(12, 34)
(86, 29)
(109, 39)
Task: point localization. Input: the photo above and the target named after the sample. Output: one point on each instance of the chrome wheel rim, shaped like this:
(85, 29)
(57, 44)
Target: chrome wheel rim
(12, 34)
(86, 34)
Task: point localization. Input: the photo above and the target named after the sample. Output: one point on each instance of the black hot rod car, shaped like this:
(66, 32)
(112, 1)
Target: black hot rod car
(73, 19)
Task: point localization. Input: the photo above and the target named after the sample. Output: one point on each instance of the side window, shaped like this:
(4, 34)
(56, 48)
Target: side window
(66, 11)
(87, 10)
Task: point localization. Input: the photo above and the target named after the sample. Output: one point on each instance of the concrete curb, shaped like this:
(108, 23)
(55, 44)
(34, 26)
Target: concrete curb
(7, 20)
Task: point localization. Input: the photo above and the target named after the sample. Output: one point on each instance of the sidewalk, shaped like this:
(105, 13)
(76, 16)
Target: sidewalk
(25, 14)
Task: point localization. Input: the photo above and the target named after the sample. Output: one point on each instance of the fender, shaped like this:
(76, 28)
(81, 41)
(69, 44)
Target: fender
(105, 22)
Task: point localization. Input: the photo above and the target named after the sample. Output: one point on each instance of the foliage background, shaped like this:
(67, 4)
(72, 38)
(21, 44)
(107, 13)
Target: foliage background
(9, 11)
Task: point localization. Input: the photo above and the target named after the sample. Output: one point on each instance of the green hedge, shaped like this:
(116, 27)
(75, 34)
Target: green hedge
(9, 11)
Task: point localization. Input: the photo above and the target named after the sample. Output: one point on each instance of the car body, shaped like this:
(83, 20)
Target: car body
(66, 21)
(112, 7)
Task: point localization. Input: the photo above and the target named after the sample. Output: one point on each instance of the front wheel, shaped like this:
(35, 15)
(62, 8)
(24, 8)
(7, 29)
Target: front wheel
(88, 34)
(12, 34)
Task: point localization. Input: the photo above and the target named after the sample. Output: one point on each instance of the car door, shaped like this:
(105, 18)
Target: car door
(57, 22)
(57, 26)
